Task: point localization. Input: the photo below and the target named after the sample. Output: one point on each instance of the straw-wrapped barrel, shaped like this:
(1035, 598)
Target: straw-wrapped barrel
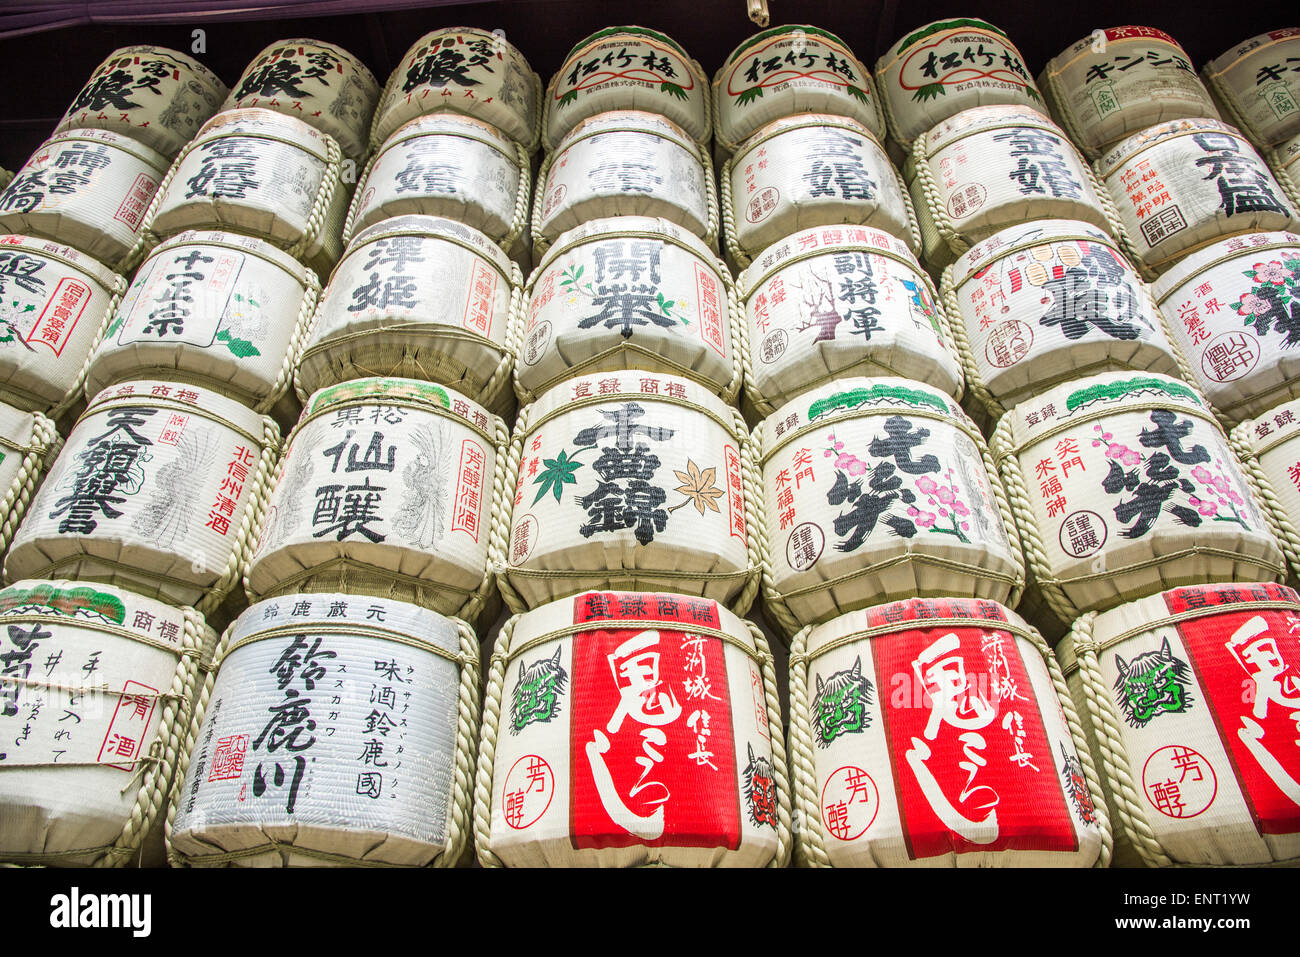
(1270, 456)
(1257, 88)
(29, 443)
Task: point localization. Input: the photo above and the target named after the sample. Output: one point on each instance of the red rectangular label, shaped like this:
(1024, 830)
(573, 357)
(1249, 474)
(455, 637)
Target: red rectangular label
(467, 508)
(136, 201)
(973, 768)
(706, 288)
(653, 748)
(735, 494)
(60, 316)
(124, 740)
(482, 297)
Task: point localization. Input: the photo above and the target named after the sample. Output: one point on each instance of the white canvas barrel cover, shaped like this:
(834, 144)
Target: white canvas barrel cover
(1123, 483)
(416, 297)
(214, 308)
(629, 728)
(629, 479)
(1046, 301)
(463, 70)
(320, 83)
(53, 303)
(627, 68)
(389, 483)
(92, 708)
(946, 67)
(89, 189)
(337, 730)
(156, 490)
(1185, 184)
(879, 488)
(28, 444)
(788, 70)
(1257, 86)
(1232, 311)
(629, 291)
(151, 94)
(1121, 80)
(1271, 458)
(1190, 703)
(836, 301)
(934, 732)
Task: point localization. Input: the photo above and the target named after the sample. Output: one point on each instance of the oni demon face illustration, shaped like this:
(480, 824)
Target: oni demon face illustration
(537, 693)
(840, 706)
(1153, 683)
(760, 789)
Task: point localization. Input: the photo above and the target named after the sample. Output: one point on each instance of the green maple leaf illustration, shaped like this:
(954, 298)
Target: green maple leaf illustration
(558, 472)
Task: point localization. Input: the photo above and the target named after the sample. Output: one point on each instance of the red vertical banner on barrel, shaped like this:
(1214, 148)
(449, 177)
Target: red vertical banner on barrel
(653, 748)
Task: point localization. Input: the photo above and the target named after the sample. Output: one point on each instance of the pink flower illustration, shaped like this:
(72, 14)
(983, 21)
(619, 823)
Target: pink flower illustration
(1252, 304)
(1273, 272)
(1234, 498)
(926, 485)
(959, 509)
(851, 464)
(925, 520)
(944, 494)
(1207, 508)
(1201, 474)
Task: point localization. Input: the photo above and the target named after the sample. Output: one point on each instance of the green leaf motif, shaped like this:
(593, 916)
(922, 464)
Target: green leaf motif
(860, 94)
(854, 398)
(930, 91)
(1125, 387)
(750, 95)
(240, 347)
(558, 473)
(674, 89)
(568, 98)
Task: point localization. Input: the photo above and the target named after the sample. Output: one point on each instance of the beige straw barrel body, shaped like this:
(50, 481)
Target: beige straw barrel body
(1257, 88)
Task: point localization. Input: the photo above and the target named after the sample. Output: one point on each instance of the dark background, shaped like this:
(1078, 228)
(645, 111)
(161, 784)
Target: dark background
(43, 64)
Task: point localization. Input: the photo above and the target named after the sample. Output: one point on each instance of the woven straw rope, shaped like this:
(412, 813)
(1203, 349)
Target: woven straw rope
(44, 447)
(77, 392)
(1278, 165)
(730, 240)
(1273, 509)
(350, 220)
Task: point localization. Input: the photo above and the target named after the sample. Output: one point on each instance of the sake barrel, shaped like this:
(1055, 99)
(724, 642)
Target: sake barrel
(151, 94)
(212, 308)
(157, 490)
(380, 776)
(463, 70)
(88, 189)
(446, 164)
(885, 701)
(625, 163)
(388, 487)
(28, 444)
(789, 70)
(1119, 81)
(629, 292)
(1270, 456)
(1229, 308)
(1124, 484)
(1185, 184)
(320, 83)
(53, 303)
(1042, 302)
(662, 493)
(1257, 87)
(907, 502)
(833, 302)
(632, 728)
(627, 68)
(946, 67)
(993, 167)
(261, 174)
(810, 170)
(418, 297)
(1283, 161)
(1188, 695)
(92, 705)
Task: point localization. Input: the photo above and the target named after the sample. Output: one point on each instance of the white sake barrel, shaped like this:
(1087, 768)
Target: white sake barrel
(789, 70)
(319, 83)
(1230, 310)
(631, 728)
(1119, 81)
(1123, 484)
(1270, 454)
(626, 163)
(215, 309)
(628, 292)
(157, 490)
(89, 189)
(627, 68)
(939, 732)
(417, 297)
(837, 301)
(262, 174)
(879, 489)
(463, 70)
(993, 167)
(1188, 697)
(1042, 302)
(446, 164)
(375, 772)
(28, 444)
(1284, 160)
(387, 486)
(811, 170)
(629, 479)
(1257, 88)
(151, 94)
(92, 706)
(948, 66)
(53, 303)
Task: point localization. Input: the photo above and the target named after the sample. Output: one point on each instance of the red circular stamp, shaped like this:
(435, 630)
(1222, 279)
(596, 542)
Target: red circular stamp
(850, 802)
(1178, 781)
(527, 793)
